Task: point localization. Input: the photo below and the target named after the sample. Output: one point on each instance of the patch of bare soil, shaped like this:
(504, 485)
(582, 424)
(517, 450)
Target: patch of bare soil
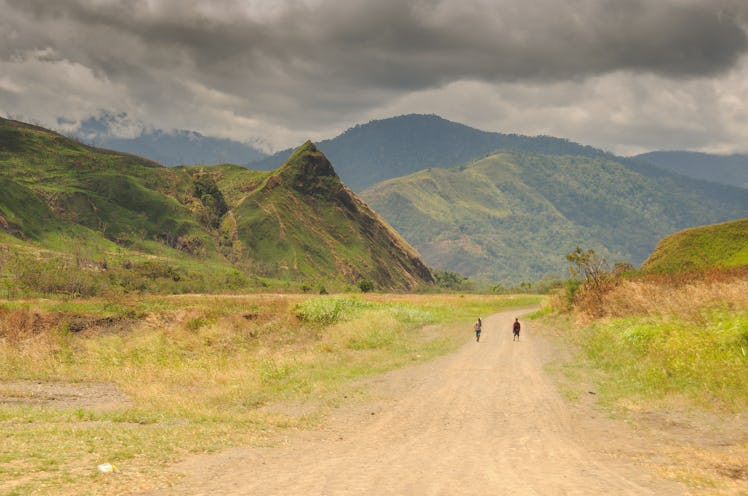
(97, 397)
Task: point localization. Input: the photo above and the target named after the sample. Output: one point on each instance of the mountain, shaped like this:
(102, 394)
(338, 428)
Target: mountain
(717, 245)
(302, 221)
(383, 149)
(177, 147)
(512, 216)
(723, 169)
(202, 226)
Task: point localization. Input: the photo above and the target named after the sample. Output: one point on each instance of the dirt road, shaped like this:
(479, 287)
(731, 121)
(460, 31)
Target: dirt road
(484, 420)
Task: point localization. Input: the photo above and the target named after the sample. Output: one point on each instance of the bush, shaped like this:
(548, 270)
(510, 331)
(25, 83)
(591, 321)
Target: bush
(365, 285)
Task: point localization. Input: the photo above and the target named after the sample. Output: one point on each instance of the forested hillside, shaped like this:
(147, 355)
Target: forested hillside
(513, 216)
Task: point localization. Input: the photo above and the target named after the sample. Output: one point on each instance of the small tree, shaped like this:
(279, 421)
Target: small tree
(594, 269)
(589, 264)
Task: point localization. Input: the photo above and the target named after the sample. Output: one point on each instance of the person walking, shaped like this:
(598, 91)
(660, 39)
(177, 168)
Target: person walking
(478, 325)
(515, 329)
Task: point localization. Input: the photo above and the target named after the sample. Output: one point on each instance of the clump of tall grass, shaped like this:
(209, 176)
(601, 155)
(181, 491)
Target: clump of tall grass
(331, 309)
(679, 294)
(653, 297)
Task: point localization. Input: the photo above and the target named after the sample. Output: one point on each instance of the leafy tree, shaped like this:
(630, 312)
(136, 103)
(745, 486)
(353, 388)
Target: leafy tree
(594, 269)
(590, 265)
(449, 280)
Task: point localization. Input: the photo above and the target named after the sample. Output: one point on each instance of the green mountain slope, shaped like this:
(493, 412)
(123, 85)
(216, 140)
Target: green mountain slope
(512, 216)
(121, 196)
(383, 149)
(717, 245)
(723, 169)
(302, 222)
(208, 222)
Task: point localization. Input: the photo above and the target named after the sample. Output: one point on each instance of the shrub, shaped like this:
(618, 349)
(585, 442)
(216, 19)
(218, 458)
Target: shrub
(365, 285)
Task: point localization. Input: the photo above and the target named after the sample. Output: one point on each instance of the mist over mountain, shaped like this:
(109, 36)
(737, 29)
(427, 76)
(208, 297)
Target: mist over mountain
(723, 169)
(170, 148)
(383, 149)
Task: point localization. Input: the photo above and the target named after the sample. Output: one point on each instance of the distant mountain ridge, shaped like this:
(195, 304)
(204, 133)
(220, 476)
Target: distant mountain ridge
(383, 149)
(512, 216)
(184, 148)
(723, 169)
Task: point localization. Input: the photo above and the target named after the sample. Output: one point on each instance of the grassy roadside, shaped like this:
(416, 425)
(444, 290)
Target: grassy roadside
(201, 373)
(658, 341)
(672, 358)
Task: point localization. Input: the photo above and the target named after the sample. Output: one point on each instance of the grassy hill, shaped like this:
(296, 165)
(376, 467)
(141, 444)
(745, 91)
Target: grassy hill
(109, 216)
(718, 245)
(723, 169)
(302, 221)
(512, 216)
(383, 149)
(122, 197)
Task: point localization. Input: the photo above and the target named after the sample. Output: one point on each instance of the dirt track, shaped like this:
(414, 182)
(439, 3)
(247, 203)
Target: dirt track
(484, 420)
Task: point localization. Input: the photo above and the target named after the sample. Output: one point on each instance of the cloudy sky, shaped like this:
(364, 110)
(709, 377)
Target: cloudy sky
(624, 75)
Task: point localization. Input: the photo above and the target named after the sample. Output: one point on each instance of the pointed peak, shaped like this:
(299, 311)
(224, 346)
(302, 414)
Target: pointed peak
(309, 171)
(308, 160)
(307, 147)
(302, 151)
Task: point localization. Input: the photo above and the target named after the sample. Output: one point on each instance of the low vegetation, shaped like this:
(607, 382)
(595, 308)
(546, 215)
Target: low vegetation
(719, 245)
(660, 339)
(668, 350)
(663, 337)
(199, 373)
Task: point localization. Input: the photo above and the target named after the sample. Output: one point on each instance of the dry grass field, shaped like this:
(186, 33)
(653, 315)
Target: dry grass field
(143, 382)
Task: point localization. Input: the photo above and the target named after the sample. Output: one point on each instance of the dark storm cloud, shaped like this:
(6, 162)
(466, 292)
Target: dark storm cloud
(397, 44)
(267, 60)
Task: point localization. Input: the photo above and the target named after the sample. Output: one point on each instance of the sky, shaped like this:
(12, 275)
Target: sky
(627, 76)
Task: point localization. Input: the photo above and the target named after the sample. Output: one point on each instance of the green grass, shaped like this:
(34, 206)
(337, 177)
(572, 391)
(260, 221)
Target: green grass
(659, 357)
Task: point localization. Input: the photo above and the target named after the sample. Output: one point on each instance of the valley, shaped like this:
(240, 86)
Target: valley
(195, 327)
(324, 247)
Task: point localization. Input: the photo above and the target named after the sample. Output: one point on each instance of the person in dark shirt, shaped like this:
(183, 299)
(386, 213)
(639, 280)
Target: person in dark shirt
(515, 329)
